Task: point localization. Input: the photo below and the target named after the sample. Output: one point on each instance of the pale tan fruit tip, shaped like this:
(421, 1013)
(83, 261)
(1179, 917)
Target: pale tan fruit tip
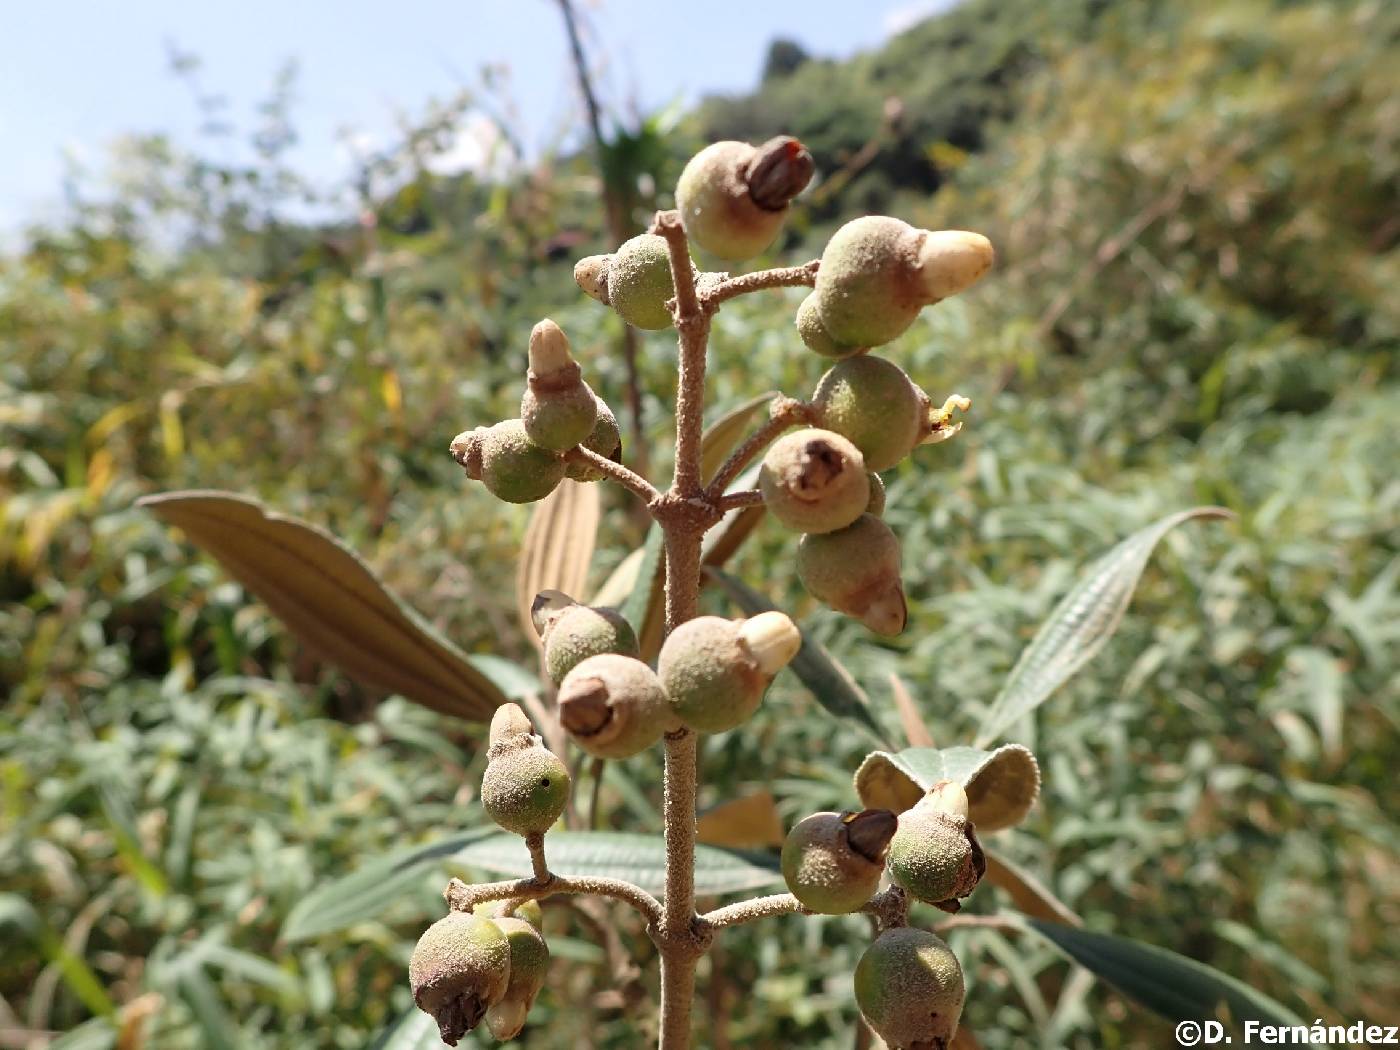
(772, 639)
(546, 607)
(466, 450)
(591, 275)
(549, 349)
(952, 260)
(509, 726)
(887, 612)
(947, 797)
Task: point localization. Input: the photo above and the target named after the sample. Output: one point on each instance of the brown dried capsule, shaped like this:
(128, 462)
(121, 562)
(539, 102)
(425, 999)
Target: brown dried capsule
(855, 570)
(832, 862)
(814, 481)
(613, 706)
(460, 967)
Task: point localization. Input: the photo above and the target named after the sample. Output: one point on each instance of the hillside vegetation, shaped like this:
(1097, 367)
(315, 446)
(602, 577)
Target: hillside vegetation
(1195, 206)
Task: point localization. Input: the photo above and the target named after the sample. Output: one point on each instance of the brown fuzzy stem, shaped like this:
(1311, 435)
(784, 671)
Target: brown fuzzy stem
(804, 276)
(693, 328)
(535, 844)
(735, 500)
(783, 412)
(461, 897)
(629, 479)
(750, 910)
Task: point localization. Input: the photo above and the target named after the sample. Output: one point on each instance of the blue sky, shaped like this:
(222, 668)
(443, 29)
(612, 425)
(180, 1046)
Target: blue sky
(77, 74)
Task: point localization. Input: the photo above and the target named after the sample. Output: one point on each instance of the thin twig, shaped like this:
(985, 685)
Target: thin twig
(629, 479)
(735, 500)
(1001, 923)
(596, 768)
(783, 412)
(534, 842)
(461, 897)
(750, 910)
(781, 277)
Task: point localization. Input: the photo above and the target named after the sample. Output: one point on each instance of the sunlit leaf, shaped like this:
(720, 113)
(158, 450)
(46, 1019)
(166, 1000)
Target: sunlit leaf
(1177, 988)
(726, 433)
(747, 822)
(332, 601)
(558, 547)
(1081, 624)
(1001, 785)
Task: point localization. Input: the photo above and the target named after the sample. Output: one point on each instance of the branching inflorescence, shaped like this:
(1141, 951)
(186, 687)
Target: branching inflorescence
(865, 416)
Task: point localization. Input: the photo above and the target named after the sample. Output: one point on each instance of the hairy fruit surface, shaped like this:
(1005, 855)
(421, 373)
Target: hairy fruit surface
(715, 671)
(733, 197)
(909, 987)
(639, 282)
(875, 405)
(576, 632)
(855, 570)
(832, 862)
(525, 785)
(934, 854)
(508, 463)
(460, 967)
(814, 481)
(614, 706)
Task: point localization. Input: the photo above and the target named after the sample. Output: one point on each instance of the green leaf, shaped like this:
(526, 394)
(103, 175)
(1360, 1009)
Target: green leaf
(724, 435)
(97, 1034)
(369, 890)
(415, 1030)
(76, 973)
(332, 601)
(1081, 624)
(829, 682)
(640, 859)
(1001, 785)
(645, 607)
(1177, 988)
(200, 995)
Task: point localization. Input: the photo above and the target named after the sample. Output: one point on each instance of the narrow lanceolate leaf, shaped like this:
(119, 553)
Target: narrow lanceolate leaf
(724, 540)
(645, 607)
(366, 893)
(332, 601)
(558, 547)
(829, 682)
(1177, 988)
(746, 822)
(724, 435)
(620, 582)
(1030, 896)
(640, 859)
(1081, 624)
(1001, 785)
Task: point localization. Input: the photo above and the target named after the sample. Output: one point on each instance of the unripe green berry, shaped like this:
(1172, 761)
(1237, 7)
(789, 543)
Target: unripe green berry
(855, 570)
(814, 334)
(876, 506)
(529, 910)
(715, 671)
(508, 463)
(525, 786)
(614, 706)
(814, 481)
(909, 987)
(639, 282)
(460, 967)
(733, 197)
(529, 960)
(875, 405)
(934, 854)
(832, 862)
(572, 633)
(605, 439)
(877, 272)
(558, 409)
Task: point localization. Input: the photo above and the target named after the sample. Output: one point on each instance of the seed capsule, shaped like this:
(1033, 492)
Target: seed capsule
(614, 706)
(832, 862)
(878, 272)
(460, 967)
(639, 282)
(814, 481)
(875, 405)
(856, 571)
(525, 785)
(814, 334)
(572, 633)
(605, 439)
(558, 409)
(529, 960)
(504, 459)
(715, 671)
(909, 987)
(935, 854)
(733, 197)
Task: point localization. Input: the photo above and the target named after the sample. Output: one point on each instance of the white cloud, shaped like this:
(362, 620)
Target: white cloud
(898, 19)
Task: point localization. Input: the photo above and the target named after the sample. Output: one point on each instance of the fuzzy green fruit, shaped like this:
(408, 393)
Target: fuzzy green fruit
(814, 481)
(604, 439)
(460, 967)
(733, 197)
(613, 706)
(529, 960)
(639, 282)
(715, 671)
(855, 570)
(508, 463)
(935, 855)
(558, 409)
(525, 786)
(909, 987)
(878, 272)
(832, 862)
(875, 405)
(814, 334)
(573, 633)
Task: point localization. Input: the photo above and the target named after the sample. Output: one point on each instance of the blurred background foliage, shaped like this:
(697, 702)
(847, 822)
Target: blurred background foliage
(1196, 210)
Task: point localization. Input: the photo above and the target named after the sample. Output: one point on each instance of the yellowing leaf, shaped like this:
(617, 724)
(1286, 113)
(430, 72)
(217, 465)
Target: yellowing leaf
(558, 547)
(1027, 892)
(747, 822)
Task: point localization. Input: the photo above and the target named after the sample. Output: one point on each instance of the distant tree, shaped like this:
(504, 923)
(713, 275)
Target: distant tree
(784, 57)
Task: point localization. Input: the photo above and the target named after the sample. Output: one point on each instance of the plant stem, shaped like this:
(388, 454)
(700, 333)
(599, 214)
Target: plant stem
(624, 476)
(783, 412)
(782, 277)
(748, 911)
(461, 897)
